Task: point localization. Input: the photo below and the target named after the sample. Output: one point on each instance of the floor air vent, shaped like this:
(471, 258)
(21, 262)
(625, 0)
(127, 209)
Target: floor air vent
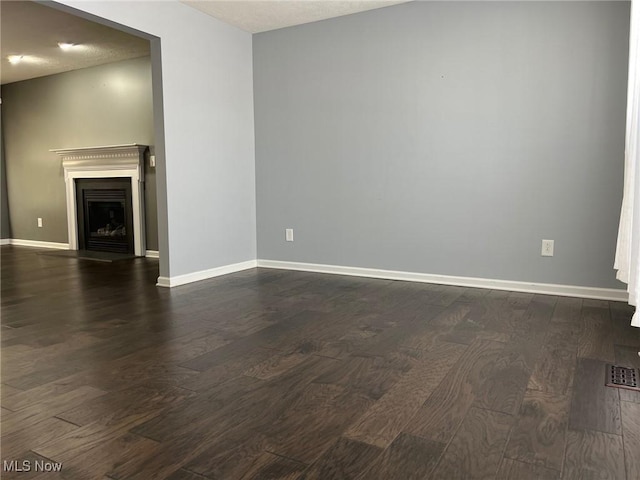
(622, 377)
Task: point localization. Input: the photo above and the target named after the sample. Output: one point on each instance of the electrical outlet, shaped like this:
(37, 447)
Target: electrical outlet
(39, 222)
(288, 234)
(547, 248)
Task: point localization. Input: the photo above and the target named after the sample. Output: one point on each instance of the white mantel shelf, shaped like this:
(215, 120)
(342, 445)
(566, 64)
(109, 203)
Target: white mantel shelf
(111, 161)
(102, 151)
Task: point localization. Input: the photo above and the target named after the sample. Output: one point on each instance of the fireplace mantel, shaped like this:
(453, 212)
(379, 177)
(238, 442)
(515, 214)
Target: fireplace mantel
(105, 162)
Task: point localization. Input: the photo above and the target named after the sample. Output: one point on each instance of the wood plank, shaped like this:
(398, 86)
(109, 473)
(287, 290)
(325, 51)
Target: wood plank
(26, 398)
(540, 432)
(192, 345)
(594, 406)
(507, 380)
(596, 338)
(493, 313)
(623, 332)
(471, 295)
(273, 467)
(439, 327)
(400, 292)
(554, 371)
(355, 339)
(556, 364)
(275, 365)
(239, 401)
(84, 439)
(514, 470)
(6, 414)
(408, 457)
(76, 363)
(33, 435)
(592, 454)
(532, 326)
(314, 421)
(595, 303)
(278, 406)
(7, 392)
(631, 438)
(183, 474)
(519, 300)
(96, 462)
(389, 415)
(226, 369)
(132, 369)
(230, 455)
(566, 323)
(48, 408)
(441, 414)
(287, 330)
(400, 327)
(344, 460)
(33, 359)
(476, 449)
(217, 401)
(370, 375)
(124, 405)
(435, 295)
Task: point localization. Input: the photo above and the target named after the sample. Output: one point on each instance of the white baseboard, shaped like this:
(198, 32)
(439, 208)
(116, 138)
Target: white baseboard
(57, 246)
(38, 244)
(529, 287)
(204, 274)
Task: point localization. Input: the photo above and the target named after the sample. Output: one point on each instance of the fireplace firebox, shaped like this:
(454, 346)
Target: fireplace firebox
(104, 215)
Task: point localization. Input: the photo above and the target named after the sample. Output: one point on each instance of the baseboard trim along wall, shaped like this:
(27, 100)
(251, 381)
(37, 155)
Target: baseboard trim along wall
(529, 287)
(38, 244)
(56, 245)
(205, 274)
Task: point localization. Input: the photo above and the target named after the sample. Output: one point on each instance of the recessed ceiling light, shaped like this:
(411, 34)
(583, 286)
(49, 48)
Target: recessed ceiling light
(14, 58)
(65, 45)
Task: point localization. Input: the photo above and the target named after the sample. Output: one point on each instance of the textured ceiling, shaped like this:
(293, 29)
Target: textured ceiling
(262, 15)
(34, 30)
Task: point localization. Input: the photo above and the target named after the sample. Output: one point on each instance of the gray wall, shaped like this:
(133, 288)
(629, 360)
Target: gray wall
(105, 105)
(5, 224)
(208, 163)
(446, 138)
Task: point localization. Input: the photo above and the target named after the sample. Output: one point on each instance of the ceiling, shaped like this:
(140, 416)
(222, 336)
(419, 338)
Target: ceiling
(263, 15)
(33, 31)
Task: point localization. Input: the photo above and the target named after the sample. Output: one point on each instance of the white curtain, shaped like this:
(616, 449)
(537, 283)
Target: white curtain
(628, 249)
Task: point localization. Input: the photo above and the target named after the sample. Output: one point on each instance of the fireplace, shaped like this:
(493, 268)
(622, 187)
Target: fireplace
(104, 215)
(105, 197)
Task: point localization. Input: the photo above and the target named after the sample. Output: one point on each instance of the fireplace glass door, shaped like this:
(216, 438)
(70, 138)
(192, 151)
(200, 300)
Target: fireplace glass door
(104, 210)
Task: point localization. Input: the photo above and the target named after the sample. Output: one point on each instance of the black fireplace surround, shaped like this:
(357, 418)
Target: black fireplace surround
(105, 215)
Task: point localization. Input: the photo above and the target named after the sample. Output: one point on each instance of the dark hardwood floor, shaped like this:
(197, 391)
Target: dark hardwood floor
(270, 374)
